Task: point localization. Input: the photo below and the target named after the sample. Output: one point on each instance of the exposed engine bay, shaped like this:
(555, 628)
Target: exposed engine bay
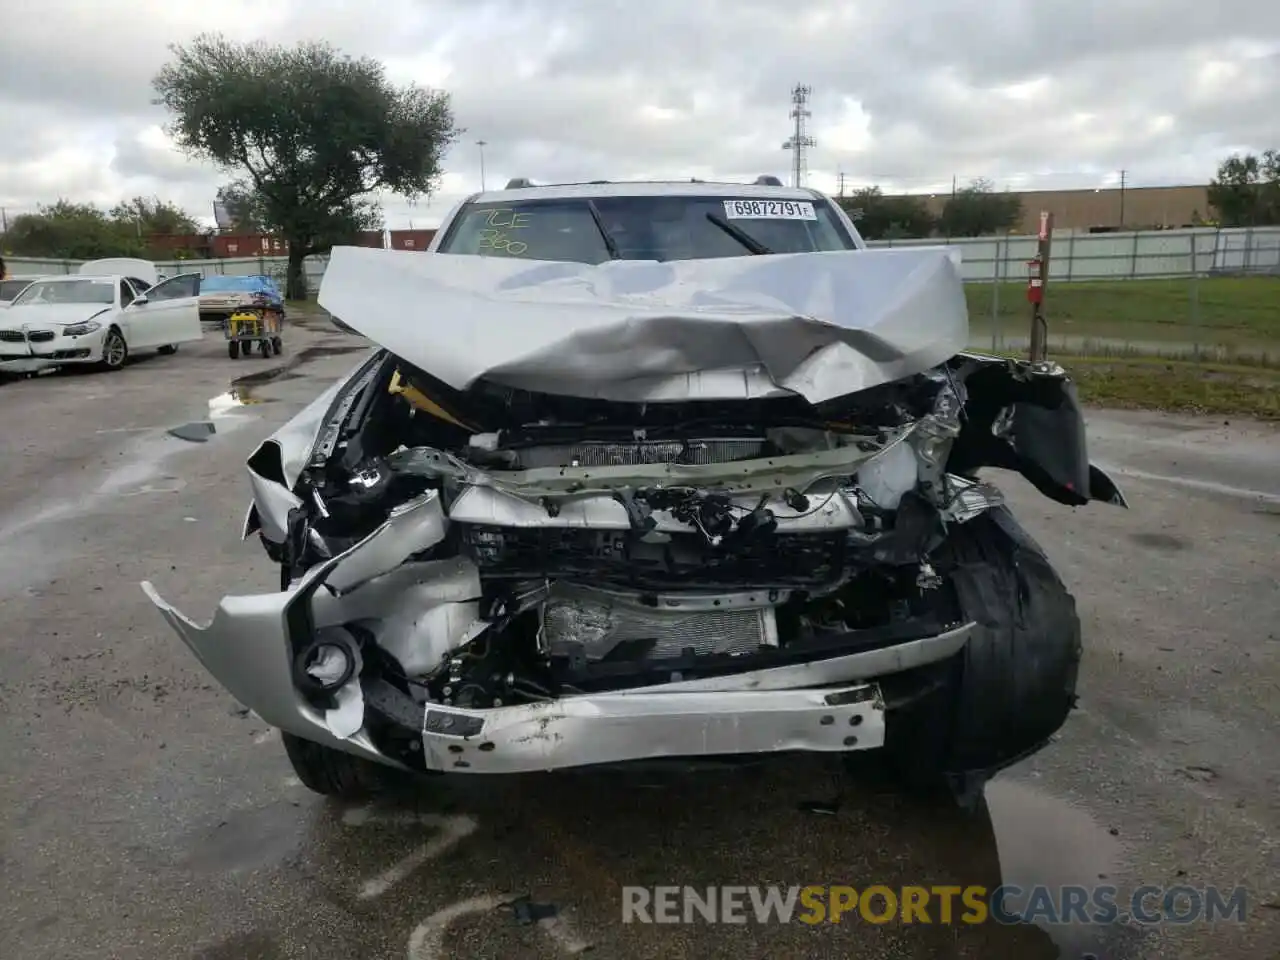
(577, 546)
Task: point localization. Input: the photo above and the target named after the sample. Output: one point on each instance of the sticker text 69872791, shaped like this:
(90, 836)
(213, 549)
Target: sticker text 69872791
(769, 210)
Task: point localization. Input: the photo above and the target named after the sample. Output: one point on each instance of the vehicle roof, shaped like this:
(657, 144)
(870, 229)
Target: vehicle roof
(647, 188)
(67, 277)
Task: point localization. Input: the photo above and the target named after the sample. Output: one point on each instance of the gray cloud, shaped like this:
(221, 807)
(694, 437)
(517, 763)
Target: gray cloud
(1029, 92)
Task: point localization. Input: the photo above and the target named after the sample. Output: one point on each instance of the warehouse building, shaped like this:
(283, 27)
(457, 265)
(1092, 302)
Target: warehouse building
(1107, 210)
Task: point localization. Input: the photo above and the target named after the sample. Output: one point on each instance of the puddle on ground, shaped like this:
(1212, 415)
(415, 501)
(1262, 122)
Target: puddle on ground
(248, 840)
(1044, 841)
(245, 946)
(232, 404)
(285, 370)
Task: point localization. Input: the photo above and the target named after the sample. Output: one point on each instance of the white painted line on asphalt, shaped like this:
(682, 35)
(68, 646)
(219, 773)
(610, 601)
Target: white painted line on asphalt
(1192, 483)
(451, 831)
(561, 932)
(427, 940)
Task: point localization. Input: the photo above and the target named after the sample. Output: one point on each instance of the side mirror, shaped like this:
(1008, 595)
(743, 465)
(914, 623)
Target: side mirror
(139, 300)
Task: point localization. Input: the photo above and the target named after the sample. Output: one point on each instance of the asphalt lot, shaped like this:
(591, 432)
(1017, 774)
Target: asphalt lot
(142, 816)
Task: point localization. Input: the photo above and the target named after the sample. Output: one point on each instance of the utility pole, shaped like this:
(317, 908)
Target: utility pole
(1123, 175)
(800, 140)
(840, 181)
(482, 144)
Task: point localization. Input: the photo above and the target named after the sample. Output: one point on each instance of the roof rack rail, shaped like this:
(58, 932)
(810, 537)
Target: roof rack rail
(768, 180)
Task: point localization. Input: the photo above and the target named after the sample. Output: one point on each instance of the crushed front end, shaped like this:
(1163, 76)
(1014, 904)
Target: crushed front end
(503, 581)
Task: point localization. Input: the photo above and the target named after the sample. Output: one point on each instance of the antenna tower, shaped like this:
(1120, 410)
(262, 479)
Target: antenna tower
(800, 140)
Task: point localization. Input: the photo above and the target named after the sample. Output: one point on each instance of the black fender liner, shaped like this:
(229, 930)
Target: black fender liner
(1027, 418)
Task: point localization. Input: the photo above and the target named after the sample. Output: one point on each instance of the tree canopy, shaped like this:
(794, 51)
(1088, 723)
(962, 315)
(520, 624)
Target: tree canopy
(80, 231)
(1246, 191)
(888, 218)
(310, 133)
(243, 205)
(977, 210)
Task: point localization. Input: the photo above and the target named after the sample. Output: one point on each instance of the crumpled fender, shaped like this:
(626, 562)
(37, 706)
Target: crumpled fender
(1026, 417)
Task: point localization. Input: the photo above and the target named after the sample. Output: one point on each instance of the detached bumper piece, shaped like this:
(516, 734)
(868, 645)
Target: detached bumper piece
(618, 727)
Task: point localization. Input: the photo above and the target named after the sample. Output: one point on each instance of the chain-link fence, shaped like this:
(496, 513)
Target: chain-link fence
(1187, 294)
(1205, 295)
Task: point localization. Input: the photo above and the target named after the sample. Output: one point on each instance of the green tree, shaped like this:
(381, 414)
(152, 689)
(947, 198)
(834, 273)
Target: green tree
(71, 231)
(154, 217)
(977, 210)
(79, 231)
(314, 133)
(888, 218)
(1246, 191)
(243, 205)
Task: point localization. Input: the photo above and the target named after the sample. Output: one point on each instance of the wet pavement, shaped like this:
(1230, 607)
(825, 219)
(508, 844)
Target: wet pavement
(142, 815)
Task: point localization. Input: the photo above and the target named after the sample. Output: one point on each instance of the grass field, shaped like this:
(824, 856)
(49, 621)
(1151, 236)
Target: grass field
(1230, 319)
(1196, 388)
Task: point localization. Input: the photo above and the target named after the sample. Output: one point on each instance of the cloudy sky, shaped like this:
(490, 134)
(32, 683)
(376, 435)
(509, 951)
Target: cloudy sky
(1029, 93)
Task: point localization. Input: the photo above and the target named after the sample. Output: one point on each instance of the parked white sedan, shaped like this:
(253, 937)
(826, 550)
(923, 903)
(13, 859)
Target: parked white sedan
(101, 320)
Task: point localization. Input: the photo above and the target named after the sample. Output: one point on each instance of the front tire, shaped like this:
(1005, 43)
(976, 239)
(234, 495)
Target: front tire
(233, 349)
(115, 352)
(1014, 683)
(333, 773)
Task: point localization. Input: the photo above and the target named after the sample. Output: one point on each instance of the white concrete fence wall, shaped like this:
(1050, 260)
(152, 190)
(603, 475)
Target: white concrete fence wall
(1075, 257)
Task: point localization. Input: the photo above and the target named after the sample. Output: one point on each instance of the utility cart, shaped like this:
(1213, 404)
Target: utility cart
(245, 328)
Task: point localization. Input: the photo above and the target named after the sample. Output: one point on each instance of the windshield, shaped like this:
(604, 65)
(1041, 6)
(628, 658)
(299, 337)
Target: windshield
(101, 291)
(645, 228)
(11, 288)
(223, 284)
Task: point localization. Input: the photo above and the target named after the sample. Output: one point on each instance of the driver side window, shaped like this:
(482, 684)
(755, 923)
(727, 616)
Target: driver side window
(176, 288)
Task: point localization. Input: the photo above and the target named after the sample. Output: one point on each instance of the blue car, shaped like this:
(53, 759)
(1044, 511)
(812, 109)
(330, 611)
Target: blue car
(221, 296)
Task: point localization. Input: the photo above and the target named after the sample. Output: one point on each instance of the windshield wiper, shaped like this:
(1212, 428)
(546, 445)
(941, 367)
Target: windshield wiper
(747, 240)
(609, 245)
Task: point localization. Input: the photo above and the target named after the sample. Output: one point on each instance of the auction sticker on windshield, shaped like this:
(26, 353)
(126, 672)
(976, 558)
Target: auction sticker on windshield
(769, 210)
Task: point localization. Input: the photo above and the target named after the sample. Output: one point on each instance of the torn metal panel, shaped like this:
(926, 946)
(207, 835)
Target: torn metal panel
(246, 648)
(273, 502)
(818, 325)
(611, 728)
(410, 528)
(417, 613)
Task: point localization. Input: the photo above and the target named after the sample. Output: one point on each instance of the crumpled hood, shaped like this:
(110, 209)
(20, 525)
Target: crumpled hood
(50, 315)
(820, 325)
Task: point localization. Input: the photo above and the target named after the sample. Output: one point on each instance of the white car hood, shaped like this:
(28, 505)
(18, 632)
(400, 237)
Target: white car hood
(47, 315)
(820, 325)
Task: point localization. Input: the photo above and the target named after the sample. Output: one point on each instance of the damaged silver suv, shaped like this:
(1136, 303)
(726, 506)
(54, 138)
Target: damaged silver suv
(657, 470)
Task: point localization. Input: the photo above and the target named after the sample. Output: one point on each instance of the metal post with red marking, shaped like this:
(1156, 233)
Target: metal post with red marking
(1037, 282)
